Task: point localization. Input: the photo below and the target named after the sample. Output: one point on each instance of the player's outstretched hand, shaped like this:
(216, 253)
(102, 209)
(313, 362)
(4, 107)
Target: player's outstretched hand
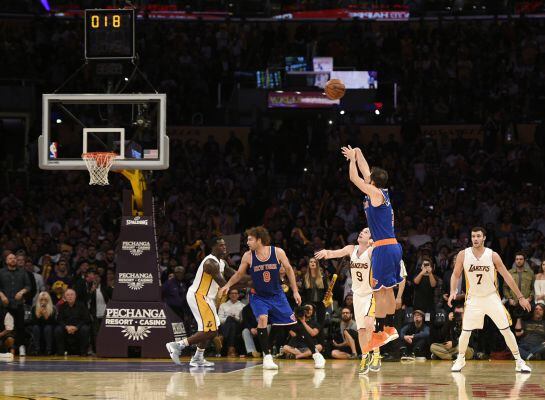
(451, 298)
(223, 291)
(349, 153)
(320, 254)
(524, 303)
(297, 298)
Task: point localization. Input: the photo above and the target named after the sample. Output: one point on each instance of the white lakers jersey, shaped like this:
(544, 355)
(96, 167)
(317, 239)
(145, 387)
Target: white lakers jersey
(480, 273)
(204, 283)
(360, 270)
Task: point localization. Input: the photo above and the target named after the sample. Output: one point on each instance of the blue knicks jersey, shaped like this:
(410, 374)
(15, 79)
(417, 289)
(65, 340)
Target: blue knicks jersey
(381, 218)
(266, 274)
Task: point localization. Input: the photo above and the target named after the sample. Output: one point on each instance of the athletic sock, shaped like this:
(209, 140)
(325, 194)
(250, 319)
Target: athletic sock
(263, 337)
(511, 342)
(199, 354)
(379, 325)
(389, 320)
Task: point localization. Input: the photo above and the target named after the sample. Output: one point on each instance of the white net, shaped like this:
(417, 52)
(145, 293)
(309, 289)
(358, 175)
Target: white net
(99, 165)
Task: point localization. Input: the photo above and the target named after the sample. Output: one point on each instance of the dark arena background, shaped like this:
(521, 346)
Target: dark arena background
(137, 138)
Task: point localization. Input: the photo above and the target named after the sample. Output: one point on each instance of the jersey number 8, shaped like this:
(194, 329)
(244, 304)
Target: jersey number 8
(266, 276)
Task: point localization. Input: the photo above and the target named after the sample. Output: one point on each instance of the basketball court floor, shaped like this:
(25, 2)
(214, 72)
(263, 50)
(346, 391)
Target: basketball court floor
(93, 378)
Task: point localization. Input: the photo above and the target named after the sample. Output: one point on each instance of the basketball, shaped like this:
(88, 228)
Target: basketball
(334, 89)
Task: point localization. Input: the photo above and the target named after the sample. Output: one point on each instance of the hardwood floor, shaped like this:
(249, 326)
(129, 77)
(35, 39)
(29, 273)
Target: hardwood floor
(131, 379)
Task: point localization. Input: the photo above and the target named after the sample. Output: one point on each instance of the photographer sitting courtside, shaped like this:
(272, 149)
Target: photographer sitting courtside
(297, 346)
(448, 349)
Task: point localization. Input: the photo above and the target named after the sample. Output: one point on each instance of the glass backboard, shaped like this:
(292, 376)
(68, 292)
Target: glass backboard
(131, 125)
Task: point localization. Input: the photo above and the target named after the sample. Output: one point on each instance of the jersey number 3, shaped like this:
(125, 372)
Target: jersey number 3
(266, 276)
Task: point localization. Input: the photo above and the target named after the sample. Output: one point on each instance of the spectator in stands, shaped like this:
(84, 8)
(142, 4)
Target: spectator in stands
(73, 326)
(7, 340)
(349, 302)
(249, 332)
(524, 278)
(424, 287)
(230, 314)
(57, 293)
(532, 334)
(44, 320)
(83, 286)
(99, 296)
(174, 292)
(296, 346)
(61, 273)
(14, 284)
(347, 346)
(414, 337)
(314, 287)
(20, 257)
(450, 332)
(38, 279)
(539, 284)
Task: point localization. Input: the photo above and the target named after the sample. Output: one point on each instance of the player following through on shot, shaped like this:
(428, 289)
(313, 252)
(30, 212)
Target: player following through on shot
(387, 252)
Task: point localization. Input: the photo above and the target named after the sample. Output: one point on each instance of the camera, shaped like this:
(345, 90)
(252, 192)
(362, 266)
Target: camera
(300, 311)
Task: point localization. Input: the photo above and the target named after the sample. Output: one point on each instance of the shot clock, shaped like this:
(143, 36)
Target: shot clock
(109, 34)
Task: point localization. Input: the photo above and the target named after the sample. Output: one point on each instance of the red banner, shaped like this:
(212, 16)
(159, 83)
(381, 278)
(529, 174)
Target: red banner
(281, 99)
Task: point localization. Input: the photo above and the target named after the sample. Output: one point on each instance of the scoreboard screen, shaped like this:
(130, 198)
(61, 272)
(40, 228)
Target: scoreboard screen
(109, 34)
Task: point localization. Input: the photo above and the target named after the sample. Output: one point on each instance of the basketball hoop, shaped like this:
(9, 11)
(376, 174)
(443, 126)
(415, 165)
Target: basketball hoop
(99, 164)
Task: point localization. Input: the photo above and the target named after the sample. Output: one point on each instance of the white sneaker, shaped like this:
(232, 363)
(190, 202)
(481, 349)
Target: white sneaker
(22, 351)
(175, 349)
(268, 362)
(459, 364)
(6, 356)
(319, 360)
(197, 361)
(522, 367)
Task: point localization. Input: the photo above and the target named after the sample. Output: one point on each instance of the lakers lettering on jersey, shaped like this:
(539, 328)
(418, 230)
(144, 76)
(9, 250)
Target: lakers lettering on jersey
(480, 273)
(360, 270)
(204, 284)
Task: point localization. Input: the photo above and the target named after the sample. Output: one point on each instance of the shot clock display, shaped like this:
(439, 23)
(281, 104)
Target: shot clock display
(109, 34)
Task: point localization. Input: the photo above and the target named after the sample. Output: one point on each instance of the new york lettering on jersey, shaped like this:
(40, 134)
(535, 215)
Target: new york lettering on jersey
(266, 274)
(381, 218)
